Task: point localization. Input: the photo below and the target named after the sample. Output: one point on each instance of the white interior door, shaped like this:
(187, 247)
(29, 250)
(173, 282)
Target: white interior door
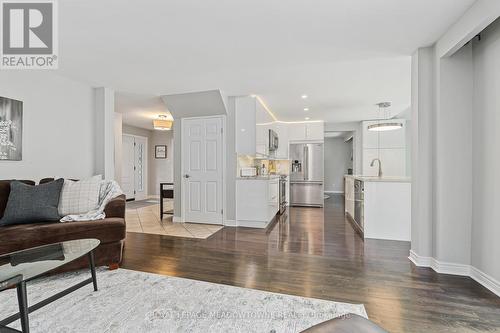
(128, 178)
(134, 167)
(202, 170)
(140, 161)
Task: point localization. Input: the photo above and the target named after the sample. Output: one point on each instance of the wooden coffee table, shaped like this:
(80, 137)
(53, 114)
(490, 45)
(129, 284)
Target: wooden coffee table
(19, 267)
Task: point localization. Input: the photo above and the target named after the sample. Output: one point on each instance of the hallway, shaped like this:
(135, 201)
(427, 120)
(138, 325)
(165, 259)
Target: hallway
(315, 253)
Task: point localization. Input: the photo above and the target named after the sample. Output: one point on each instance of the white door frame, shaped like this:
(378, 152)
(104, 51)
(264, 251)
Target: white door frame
(223, 179)
(146, 173)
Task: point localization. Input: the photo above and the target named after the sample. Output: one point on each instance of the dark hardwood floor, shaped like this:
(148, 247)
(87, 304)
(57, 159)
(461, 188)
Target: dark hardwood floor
(315, 253)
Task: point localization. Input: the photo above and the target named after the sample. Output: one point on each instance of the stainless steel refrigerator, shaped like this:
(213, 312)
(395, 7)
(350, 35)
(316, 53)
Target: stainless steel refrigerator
(306, 174)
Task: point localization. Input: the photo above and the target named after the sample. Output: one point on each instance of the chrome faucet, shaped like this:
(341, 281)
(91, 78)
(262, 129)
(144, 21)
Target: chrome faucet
(379, 166)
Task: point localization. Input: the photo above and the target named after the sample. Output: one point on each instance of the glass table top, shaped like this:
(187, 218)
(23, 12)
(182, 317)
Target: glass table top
(26, 264)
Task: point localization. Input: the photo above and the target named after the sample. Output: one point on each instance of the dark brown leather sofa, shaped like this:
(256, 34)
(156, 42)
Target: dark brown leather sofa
(110, 231)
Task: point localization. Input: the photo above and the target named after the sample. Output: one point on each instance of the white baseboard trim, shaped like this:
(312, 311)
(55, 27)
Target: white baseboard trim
(334, 192)
(419, 261)
(230, 223)
(457, 269)
(485, 280)
(177, 219)
(252, 224)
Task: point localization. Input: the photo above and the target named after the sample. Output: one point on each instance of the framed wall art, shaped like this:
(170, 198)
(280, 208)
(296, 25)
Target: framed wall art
(11, 129)
(160, 151)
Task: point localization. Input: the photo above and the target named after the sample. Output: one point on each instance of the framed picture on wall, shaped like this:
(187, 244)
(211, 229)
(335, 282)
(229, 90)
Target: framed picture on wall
(11, 129)
(160, 151)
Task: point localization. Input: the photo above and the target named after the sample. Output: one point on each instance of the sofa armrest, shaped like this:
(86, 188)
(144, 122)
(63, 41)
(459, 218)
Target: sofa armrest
(116, 207)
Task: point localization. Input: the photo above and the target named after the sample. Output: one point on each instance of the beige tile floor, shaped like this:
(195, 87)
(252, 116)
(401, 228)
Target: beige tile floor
(147, 220)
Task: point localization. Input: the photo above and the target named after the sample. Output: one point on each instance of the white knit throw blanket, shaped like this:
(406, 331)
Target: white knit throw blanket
(108, 191)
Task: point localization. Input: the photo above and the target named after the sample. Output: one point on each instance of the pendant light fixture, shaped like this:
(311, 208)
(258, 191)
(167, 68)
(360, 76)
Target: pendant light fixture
(162, 123)
(385, 124)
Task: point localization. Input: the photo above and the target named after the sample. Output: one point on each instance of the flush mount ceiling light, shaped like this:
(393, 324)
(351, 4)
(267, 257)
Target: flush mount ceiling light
(385, 124)
(162, 123)
(307, 118)
(306, 109)
(304, 96)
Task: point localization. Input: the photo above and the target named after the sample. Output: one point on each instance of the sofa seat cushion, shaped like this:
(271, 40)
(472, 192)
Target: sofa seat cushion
(23, 236)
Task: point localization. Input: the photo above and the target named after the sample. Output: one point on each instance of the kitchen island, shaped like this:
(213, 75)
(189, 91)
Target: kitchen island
(379, 207)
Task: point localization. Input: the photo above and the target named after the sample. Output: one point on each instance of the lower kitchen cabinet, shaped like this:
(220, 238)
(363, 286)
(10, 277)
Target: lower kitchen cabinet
(257, 201)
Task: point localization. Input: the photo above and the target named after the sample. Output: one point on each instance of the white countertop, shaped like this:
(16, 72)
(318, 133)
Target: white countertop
(388, 179)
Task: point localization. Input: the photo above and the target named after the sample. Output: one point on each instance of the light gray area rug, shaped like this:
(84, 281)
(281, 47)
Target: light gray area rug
(130, 301)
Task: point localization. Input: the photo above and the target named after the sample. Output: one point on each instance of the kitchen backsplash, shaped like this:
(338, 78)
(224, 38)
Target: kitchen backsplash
(281, 167)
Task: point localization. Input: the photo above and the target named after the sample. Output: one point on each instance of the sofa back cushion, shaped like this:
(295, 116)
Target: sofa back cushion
(31, 204)
(5, 192)
(80, 197)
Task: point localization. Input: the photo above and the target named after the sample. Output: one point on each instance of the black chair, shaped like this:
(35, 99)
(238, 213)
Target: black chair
(166, 192)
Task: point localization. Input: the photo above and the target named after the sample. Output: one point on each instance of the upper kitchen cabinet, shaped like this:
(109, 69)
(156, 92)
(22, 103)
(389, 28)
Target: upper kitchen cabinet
(282, 130)
(315, 131)
(252, 127)
(245, 125)
(391, 147)
(264, 123)
(306, 131)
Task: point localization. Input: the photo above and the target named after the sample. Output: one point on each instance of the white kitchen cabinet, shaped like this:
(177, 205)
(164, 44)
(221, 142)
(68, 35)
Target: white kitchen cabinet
(252, 127)
(296, 131)
(384, 207)
(257, 201)
(349, 195)
(306, 131)
(262, 130)
(245, 125)
(282, 131)
(315, 131)
(387, 210)
(273, 196)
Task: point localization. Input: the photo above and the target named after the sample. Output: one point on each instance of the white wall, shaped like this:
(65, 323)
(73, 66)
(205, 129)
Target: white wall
(337, 161)
(58, 125)
(118, 147)
(453, 162)
(423, 82)
(104, 128)
(455, 124)
(161, 170)
(486, 158)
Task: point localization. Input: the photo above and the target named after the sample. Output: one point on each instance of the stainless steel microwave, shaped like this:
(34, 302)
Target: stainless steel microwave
(273, 140)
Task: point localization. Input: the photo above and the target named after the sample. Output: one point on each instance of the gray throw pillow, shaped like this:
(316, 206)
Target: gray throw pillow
(30, 204)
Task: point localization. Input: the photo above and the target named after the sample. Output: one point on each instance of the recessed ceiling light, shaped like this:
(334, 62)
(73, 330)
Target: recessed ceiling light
(306, 109)
(304, 96)
(307, 118)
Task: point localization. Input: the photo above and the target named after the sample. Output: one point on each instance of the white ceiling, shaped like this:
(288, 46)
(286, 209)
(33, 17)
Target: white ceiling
(139, 110)
(346, 55)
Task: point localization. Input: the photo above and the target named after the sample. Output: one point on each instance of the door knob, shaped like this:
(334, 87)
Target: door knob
(186, 176)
